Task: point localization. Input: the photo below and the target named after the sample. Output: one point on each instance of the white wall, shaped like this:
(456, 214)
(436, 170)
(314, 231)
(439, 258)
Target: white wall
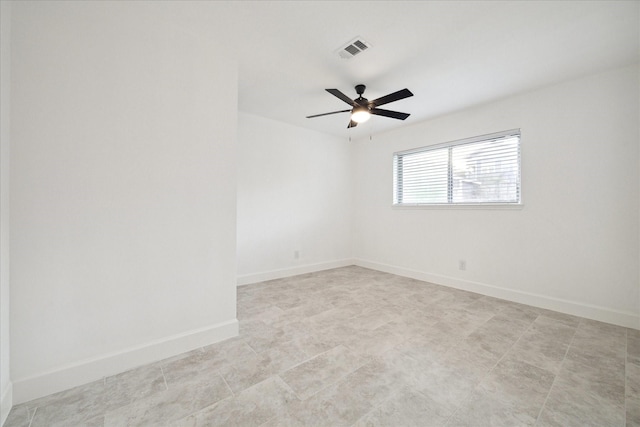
(573, 247)
(123, 184)
(5, 107)
(294, 194)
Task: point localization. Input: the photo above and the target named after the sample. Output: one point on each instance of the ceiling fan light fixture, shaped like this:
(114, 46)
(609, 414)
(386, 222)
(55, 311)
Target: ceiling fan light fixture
(360, 114)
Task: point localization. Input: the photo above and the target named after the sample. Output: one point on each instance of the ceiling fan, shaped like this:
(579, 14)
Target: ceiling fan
(363, 108)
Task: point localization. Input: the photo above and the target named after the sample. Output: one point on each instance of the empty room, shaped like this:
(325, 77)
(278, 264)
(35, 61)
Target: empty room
(320, 213)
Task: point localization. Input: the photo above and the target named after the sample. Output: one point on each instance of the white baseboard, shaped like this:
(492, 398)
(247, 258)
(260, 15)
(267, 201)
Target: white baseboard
(85, 371)
(248, 279)
(603, 314)
(6, 403)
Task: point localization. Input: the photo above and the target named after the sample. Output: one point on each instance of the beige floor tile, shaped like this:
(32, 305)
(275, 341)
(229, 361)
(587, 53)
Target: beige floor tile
(633, 413)
(210, 361)
(429, 349)
(251, 407)
(506, 326)
(520, 312)
(380, 340)
(469, 360)
(321, 371)
(482, 306)
(633, 349)
(593, 327)
(443, 384)
(261, 336)
(347, 400)
(134, 384)
(466, 321)
(569, 406)
(567, 319)
(604, 385)
(250, 371)
(519, 382)
(553, 329)
(407, 408)
(79, 404)
(491, 341)
(372, 319)
(486, 410)
(539, 349)
(316, 344)
(19, 416)
(633, 381)
(163, 408)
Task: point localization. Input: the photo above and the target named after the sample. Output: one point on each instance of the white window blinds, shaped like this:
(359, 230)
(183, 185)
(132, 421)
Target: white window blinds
(479, 170)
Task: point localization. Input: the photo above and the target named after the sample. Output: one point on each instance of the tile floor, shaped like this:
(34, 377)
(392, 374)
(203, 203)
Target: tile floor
(357, 347)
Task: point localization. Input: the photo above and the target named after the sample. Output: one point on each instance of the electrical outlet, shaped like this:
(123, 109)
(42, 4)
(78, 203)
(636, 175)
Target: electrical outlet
(296, 254)
(462, 264)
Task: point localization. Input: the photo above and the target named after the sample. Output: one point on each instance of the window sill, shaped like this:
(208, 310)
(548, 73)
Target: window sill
(457, 206)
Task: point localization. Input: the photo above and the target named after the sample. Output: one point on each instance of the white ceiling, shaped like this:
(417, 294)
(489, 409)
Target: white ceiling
(450, 54)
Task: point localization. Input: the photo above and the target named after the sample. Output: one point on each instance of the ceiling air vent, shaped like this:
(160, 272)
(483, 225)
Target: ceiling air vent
(353, 48)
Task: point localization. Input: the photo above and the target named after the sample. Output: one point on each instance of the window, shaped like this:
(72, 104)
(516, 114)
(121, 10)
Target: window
(483, 170)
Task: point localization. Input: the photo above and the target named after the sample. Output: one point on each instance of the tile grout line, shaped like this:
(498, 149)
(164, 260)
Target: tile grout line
(244, 340)
(205, 408)
(626, 355)
(164, 378)
(33, 416)
(558, 373)
(308, 359)
(266, 422)
(365, 361)
(285, 383)
(233, 394)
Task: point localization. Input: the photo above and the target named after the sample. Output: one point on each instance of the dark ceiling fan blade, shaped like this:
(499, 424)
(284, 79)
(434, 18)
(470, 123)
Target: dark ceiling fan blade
(352, 124)
(326, 114)
(342, 96)
(395, 96)
(387, 113)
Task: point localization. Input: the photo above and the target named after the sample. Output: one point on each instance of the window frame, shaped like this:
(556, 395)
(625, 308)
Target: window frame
(461, 205)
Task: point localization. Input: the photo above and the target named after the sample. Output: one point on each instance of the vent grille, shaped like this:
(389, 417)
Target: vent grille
(359, 45)
(353, 48)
